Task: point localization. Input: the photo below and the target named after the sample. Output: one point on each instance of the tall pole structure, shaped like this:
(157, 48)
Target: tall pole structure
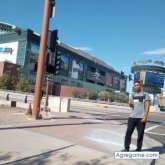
(47, 83)
(47, 93)
(41, 60)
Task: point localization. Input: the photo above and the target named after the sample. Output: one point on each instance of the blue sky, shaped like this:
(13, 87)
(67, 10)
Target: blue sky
(116, 31)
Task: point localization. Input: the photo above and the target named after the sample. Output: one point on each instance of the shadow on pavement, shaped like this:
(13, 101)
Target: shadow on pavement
(41, 159)
(160, 149)
(60, 156)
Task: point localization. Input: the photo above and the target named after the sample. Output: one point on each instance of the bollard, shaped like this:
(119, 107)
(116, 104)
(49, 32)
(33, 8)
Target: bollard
(13, 103)
(29, 111)
(7, 96)
(25, 100)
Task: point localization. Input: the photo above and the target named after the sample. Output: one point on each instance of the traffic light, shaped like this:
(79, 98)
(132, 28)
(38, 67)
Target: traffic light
(48, 59)
(122, 75)
(35, 67)
(57, 62)
(130, 77)
(50, 69)
(52, 40)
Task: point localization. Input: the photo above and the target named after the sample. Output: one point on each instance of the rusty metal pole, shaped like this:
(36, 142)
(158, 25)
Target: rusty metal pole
(41, 60)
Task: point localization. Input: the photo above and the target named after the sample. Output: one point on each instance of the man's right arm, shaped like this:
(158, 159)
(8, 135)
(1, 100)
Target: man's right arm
(130, 102)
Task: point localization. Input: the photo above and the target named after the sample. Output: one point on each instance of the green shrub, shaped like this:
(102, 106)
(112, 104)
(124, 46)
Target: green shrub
(93, 95)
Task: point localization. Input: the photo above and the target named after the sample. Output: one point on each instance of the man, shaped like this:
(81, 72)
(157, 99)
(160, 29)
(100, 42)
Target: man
(139, 101)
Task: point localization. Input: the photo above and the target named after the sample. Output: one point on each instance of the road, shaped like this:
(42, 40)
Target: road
(155, 127)
(96, 127)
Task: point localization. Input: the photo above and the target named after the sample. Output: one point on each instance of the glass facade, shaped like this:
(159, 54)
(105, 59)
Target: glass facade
(64, 65)
(34, 53)
(21, 52)
(80, 72)
(78, 68)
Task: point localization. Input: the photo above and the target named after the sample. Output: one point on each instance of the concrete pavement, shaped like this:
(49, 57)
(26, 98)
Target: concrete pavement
(46, 141)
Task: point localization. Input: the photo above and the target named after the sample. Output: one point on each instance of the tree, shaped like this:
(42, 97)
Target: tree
(19, 70)
(23, 85)
(84, 95)
(6, 82)
(112, 97)
(76, 94)
(93, 95)
(103, 95)
(8, 69)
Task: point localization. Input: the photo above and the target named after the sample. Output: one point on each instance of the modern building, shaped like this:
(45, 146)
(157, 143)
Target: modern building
(10, 69)
(151, 73)
(5, 27)
(79, 70)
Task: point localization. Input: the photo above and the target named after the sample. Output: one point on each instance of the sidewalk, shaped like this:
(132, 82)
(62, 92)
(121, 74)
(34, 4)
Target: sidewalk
(74, 140)
(125, 108)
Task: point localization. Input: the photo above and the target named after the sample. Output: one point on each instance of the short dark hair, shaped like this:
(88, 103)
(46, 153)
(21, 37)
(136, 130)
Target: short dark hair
(138, 81)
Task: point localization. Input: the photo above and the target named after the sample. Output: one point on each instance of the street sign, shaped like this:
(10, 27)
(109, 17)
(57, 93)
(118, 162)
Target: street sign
(49, 79)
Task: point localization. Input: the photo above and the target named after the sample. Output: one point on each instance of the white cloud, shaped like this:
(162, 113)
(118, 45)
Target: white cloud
(160, 51)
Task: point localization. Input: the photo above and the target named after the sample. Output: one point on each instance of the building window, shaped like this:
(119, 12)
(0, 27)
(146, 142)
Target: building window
(34, 53)
(109, 80)
(102, 72)
(91, 69)
(116, 82)
(77, 70)
(64, 65)
(21, 52)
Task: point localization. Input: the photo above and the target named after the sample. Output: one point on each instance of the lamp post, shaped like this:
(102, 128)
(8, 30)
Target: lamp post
(41, 60)
(47, 92)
